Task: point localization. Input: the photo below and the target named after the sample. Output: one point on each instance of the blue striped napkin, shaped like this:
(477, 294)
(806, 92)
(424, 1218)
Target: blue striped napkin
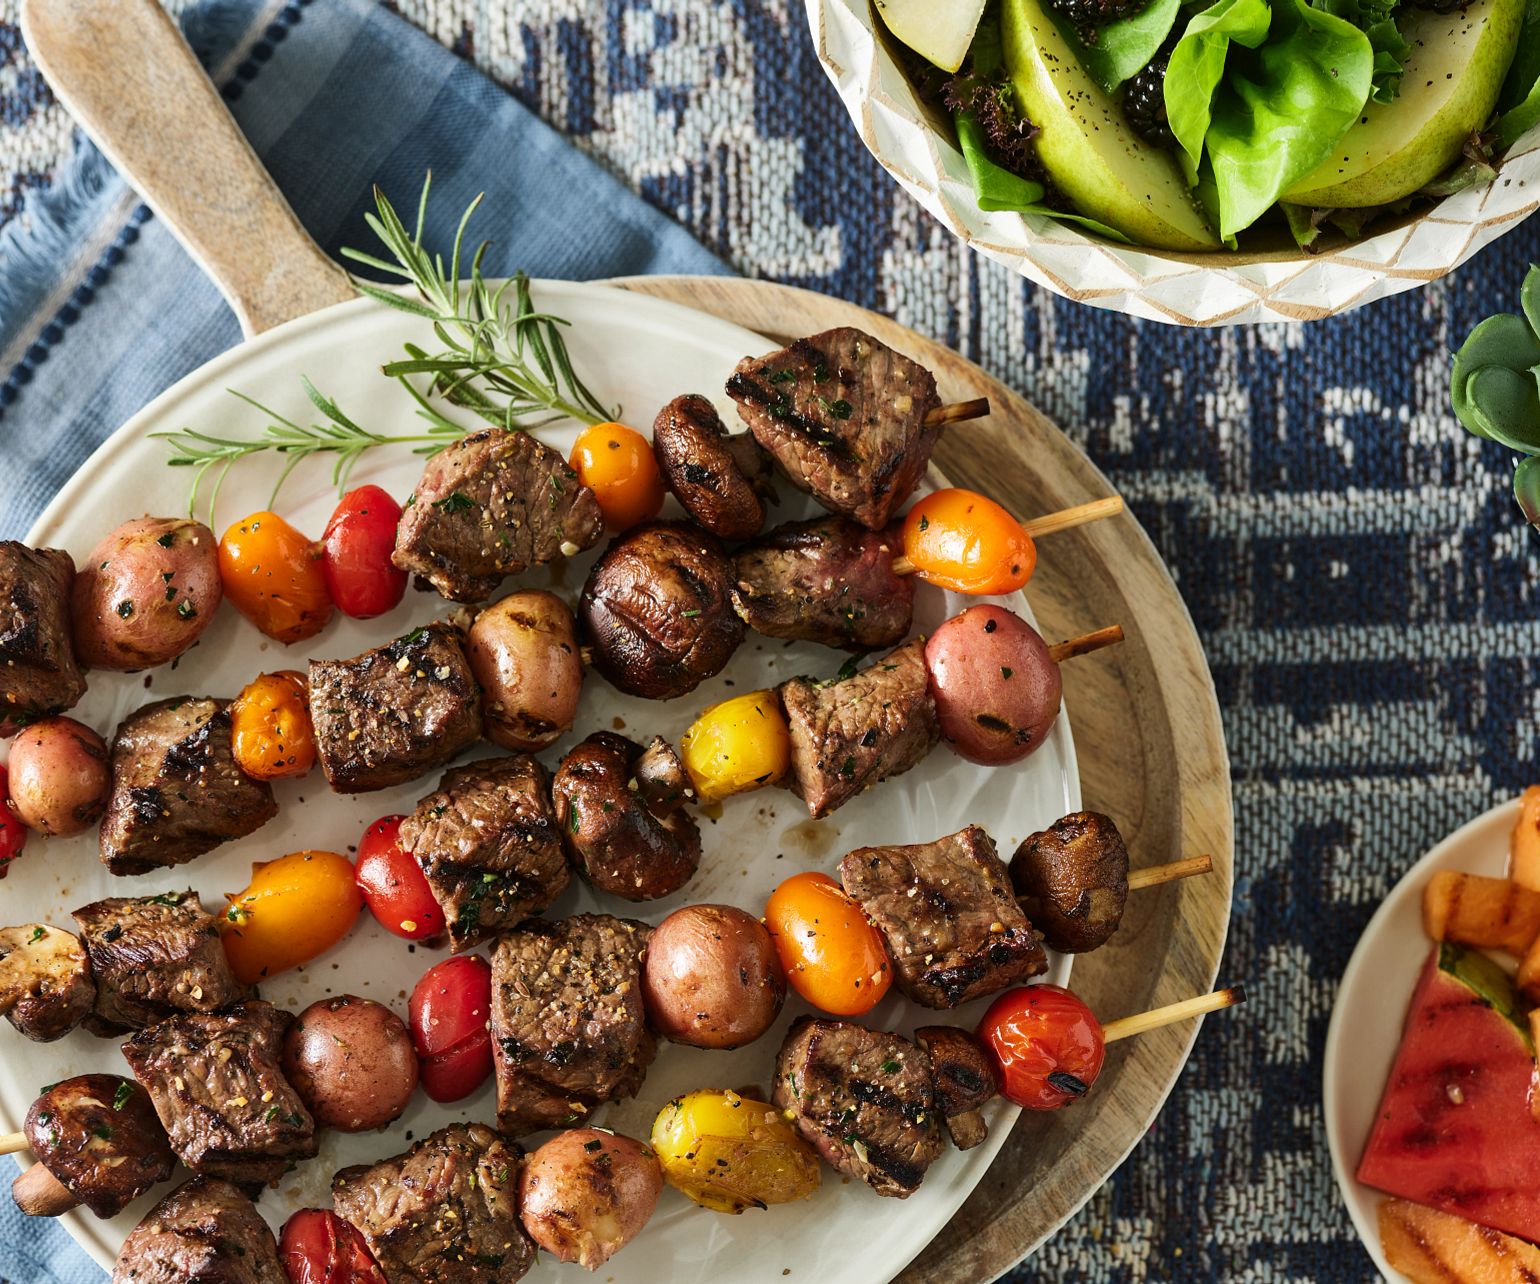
(101, 309)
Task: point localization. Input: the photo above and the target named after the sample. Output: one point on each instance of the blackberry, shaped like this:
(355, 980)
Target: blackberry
(1090, 14)
(1144, 102)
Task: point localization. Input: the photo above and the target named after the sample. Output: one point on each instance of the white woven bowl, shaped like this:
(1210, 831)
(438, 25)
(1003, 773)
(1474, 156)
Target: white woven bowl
(1221, 288)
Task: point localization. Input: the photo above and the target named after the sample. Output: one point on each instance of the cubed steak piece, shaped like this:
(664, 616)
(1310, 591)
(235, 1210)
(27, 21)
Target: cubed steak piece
(176, 791)
(46, 988)
(487, 841)
(568, 1028)
(38, 673)
(828, 581)
(864, 1099)
(493, 504)
(444, 1211)
(219, 1092)
(848, 735)
(953, 927)
(203, 1232)
(396, 712)
(845, 417)
(154, 957)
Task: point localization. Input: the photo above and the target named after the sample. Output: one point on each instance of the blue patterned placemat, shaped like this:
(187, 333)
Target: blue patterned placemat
(1357, 571)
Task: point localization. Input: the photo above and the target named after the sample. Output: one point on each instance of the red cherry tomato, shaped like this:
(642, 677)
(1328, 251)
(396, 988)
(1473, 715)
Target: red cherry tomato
(449, 1010)
(318, 1247)
(1047, 1046)
(394, 886)
(13, 834)
(355, 554)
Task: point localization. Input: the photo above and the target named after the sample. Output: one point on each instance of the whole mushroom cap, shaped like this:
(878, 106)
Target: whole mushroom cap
(98, 1134)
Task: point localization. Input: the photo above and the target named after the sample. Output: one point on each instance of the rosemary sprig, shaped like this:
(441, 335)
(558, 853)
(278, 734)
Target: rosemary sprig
(500, 359)
(339, 435)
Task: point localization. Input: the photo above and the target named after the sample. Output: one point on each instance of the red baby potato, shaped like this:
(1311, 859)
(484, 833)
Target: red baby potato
(997, 688)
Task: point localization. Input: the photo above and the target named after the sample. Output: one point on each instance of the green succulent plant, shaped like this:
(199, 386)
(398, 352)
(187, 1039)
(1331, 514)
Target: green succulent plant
(1495, 388)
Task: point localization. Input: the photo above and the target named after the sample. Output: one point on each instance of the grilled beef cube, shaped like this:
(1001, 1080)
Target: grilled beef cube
(219, 1092)
(38, 673)
(568, 1029)
(99, 1137)
(848, 735)
(844, 415)
(444, 1211)
(493, 504)
(203, 1232)
(154, 957)
(953, 927)
(396, 712)
(965, 1079)
(488, 843)
(864, 1099)
(176, 791)
(46, 988)
(828, 581)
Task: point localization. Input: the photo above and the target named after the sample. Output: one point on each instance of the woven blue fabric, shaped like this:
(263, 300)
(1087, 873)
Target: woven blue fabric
(1354, 563)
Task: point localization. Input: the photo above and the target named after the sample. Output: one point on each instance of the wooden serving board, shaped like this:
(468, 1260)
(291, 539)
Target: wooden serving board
(1151, 751)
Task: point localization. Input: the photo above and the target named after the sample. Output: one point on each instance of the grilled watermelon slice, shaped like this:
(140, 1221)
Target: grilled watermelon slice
(1454, 1129)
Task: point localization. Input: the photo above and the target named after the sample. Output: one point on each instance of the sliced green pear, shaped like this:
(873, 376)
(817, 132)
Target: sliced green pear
(940, 31)
(1086, 144)
(1453, 76)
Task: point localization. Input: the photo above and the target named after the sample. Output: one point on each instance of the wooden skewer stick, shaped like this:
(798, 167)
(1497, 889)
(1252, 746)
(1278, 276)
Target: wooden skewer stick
(1065, 519)
(1154, 875)
(957, 412)
(12, 1142)
(1086, 643)
(1172, 1013)
(37, 1192)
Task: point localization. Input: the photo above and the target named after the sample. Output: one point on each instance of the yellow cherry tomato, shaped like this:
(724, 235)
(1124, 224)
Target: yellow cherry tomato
(833, 957)
(617, 464)
(966, 542)
(274, 577)
(270, 731)
(738, 745)
(729, 1152)
(296, 907)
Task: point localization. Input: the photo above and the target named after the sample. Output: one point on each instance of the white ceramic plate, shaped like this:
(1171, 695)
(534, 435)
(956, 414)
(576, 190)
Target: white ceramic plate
(639, 353)
(1371, 1005)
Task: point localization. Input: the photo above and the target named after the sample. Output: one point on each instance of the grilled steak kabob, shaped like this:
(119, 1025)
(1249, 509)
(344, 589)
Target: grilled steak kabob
(204, 1232)
(98, 1143)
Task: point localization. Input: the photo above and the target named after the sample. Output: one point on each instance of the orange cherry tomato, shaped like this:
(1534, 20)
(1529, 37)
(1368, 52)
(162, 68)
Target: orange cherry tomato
(296, 907)
(832, 955)
(270, 731)
(617, 464)
(966, 542)
(274, 577)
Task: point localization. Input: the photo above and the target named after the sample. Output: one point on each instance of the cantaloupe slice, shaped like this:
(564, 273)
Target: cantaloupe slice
(1488, 913)
(1430, 1247)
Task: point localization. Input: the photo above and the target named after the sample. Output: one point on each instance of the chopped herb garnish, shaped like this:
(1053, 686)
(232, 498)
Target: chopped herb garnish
(454, 502)
(185, 610)
(890, 1067)
(38, 933)
(593, 1145)
(165, 541)
(121, 1097)
(125, 609)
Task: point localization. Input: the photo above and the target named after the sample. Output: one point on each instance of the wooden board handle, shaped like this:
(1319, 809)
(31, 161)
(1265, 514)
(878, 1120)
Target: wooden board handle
(126, 74)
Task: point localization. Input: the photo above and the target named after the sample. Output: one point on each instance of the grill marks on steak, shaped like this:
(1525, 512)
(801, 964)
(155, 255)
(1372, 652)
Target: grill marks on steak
(176, 791)
(38, 673)
(493, 504)
(444, 1211)
(488, 843)
(828, 581)
(844, 416)
(848, 734)
(396, 712)
(218, 1089)
(569, 1032)
(154, 957)
(953, 927)
(203, 1232)
(865, 1099)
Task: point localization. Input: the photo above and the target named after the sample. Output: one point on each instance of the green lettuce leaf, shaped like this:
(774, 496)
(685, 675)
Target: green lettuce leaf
(1377, 20)
(1123, 48)
(1197, 66)
(1282, 108)
(1519, 100)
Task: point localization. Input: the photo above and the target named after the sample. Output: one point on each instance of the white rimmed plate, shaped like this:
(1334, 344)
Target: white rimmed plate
(638, 352)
